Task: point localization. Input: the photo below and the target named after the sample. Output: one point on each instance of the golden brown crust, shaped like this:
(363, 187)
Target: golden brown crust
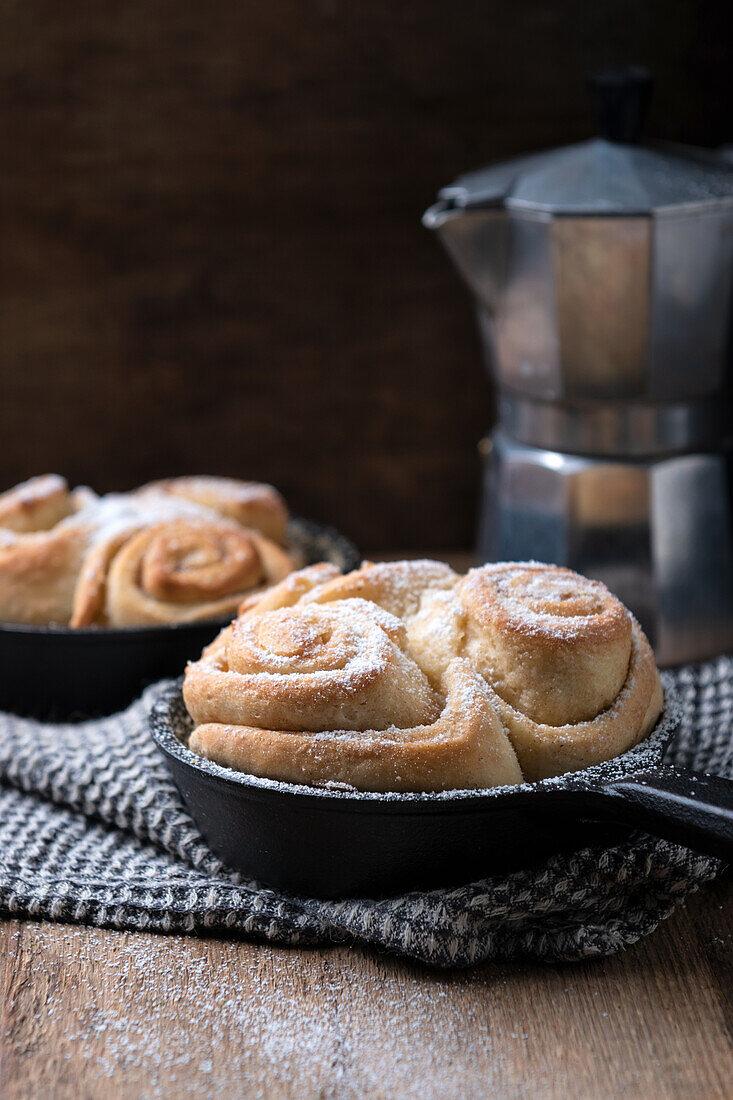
(38, 575)
(250, 503)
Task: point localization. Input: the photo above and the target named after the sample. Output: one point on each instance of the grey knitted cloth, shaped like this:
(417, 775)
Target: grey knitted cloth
(93, 830)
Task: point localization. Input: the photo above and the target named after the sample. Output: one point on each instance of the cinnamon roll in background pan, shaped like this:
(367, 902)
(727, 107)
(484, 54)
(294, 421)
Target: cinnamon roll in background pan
(180, 550)
(407, 677)
(181, 570)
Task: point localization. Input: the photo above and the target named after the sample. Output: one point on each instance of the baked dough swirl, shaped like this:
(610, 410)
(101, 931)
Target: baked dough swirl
(463, 747)
(572, 672)
(311, 668)
(38, 574)
(405, 676)
(181, 570)
(40, 556)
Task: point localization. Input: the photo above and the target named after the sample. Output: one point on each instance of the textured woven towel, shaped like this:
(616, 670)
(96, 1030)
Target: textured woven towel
(93, 830)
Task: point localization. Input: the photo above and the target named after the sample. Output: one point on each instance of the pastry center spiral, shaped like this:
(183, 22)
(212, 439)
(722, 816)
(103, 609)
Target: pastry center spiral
(312, 640)
(554, 645)
(550, 595)
(291, 638)
(198, 564)
(311, 667)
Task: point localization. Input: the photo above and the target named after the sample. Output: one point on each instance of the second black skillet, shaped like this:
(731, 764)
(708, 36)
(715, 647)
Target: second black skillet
(54, 672)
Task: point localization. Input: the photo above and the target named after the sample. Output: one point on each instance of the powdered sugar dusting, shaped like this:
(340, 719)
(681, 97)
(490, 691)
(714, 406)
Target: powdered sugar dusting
(176, 1016)
(396, 586)
(546, 599)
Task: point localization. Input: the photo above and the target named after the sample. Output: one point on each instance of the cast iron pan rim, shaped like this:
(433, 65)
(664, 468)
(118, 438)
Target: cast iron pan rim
(647, 753)
(114, 635)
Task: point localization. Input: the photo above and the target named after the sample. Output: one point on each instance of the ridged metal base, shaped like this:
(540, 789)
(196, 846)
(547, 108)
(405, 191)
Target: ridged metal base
(657, 531)
(618, 429)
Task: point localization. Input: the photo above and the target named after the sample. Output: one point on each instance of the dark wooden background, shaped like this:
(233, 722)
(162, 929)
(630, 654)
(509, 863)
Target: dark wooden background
(212, 257)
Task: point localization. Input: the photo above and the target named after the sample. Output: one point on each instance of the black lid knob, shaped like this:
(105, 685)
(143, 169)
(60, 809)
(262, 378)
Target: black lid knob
(621, 96)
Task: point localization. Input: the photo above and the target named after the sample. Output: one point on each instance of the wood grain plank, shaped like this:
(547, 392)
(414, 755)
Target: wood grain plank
(101, 1014)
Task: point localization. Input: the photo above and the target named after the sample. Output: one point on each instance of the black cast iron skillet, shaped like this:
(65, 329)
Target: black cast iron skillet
(54, 672)
(336, 843)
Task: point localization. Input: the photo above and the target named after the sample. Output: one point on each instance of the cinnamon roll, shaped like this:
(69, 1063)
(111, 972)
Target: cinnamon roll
(181, 570)
(327, 693)
(38, 573)
(405, 676)
(572, 672)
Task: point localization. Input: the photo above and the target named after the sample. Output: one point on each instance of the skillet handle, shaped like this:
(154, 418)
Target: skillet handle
(690, 808)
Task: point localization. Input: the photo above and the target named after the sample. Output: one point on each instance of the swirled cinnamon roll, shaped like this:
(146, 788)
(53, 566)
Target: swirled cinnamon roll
(39, 558)
(311, 667)
(573, 673)
(181, 570)
(327, 693)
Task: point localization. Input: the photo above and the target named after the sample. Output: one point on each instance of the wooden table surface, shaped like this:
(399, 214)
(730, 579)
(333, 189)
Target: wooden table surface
(88, 1013)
